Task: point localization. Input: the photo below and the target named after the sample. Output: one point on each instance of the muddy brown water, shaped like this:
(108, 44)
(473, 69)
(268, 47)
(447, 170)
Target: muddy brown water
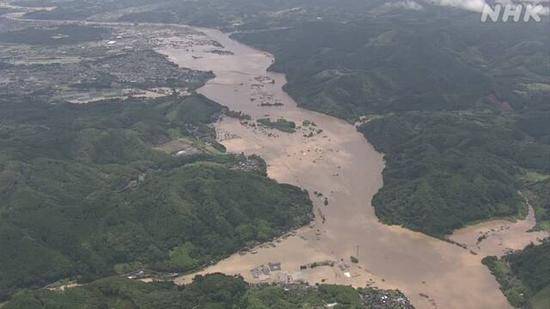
(341, 164)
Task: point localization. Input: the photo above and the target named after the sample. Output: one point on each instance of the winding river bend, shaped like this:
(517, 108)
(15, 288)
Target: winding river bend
(340, 164)
(345, 171)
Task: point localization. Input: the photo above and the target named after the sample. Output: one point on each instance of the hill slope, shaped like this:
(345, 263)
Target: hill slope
(84, 190)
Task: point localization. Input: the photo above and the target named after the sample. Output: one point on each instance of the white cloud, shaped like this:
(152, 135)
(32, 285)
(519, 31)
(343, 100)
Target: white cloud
(470, 5)
(538, 6)
(406, 4)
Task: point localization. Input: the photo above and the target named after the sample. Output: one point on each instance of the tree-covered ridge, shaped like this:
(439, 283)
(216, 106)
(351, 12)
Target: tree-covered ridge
(211, 291)
(83, 189)
(445, 170)
(411, 61)
(468, 165)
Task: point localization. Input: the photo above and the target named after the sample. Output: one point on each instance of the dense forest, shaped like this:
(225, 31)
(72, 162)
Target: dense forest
(84, 188)
(440, 175)
(211, 291)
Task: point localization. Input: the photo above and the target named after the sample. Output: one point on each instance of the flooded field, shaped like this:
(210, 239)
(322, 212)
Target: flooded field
(342, 172)
(498, 237)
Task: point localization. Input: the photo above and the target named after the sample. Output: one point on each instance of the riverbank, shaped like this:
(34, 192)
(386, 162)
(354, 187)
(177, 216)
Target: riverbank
(343, 168)
(345, 171)
(500, 237)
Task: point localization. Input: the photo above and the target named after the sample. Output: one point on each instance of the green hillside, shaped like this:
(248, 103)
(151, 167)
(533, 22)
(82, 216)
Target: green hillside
(85, 195)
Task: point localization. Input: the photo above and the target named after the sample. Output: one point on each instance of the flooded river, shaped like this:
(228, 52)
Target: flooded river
(342, 172)
(340, 164)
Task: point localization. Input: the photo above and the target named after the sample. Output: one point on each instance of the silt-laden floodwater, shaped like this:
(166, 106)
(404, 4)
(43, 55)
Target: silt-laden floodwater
(339, 163)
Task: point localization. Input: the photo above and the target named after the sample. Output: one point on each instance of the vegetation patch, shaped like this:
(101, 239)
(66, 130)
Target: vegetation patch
(448, 170)
(524, 276)
(211, 291)
(512, 287)
(238, 115)
(280, 124)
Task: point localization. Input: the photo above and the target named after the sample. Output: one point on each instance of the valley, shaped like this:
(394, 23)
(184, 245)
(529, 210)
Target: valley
(344, 168)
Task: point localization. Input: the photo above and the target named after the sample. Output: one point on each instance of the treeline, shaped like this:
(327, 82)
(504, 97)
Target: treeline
(84, 195)
(211, 291)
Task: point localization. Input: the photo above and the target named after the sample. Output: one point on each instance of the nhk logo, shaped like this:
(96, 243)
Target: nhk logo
(514, 12)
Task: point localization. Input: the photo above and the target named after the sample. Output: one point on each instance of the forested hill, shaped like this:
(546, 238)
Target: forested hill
(89, 191)
(407, 62)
